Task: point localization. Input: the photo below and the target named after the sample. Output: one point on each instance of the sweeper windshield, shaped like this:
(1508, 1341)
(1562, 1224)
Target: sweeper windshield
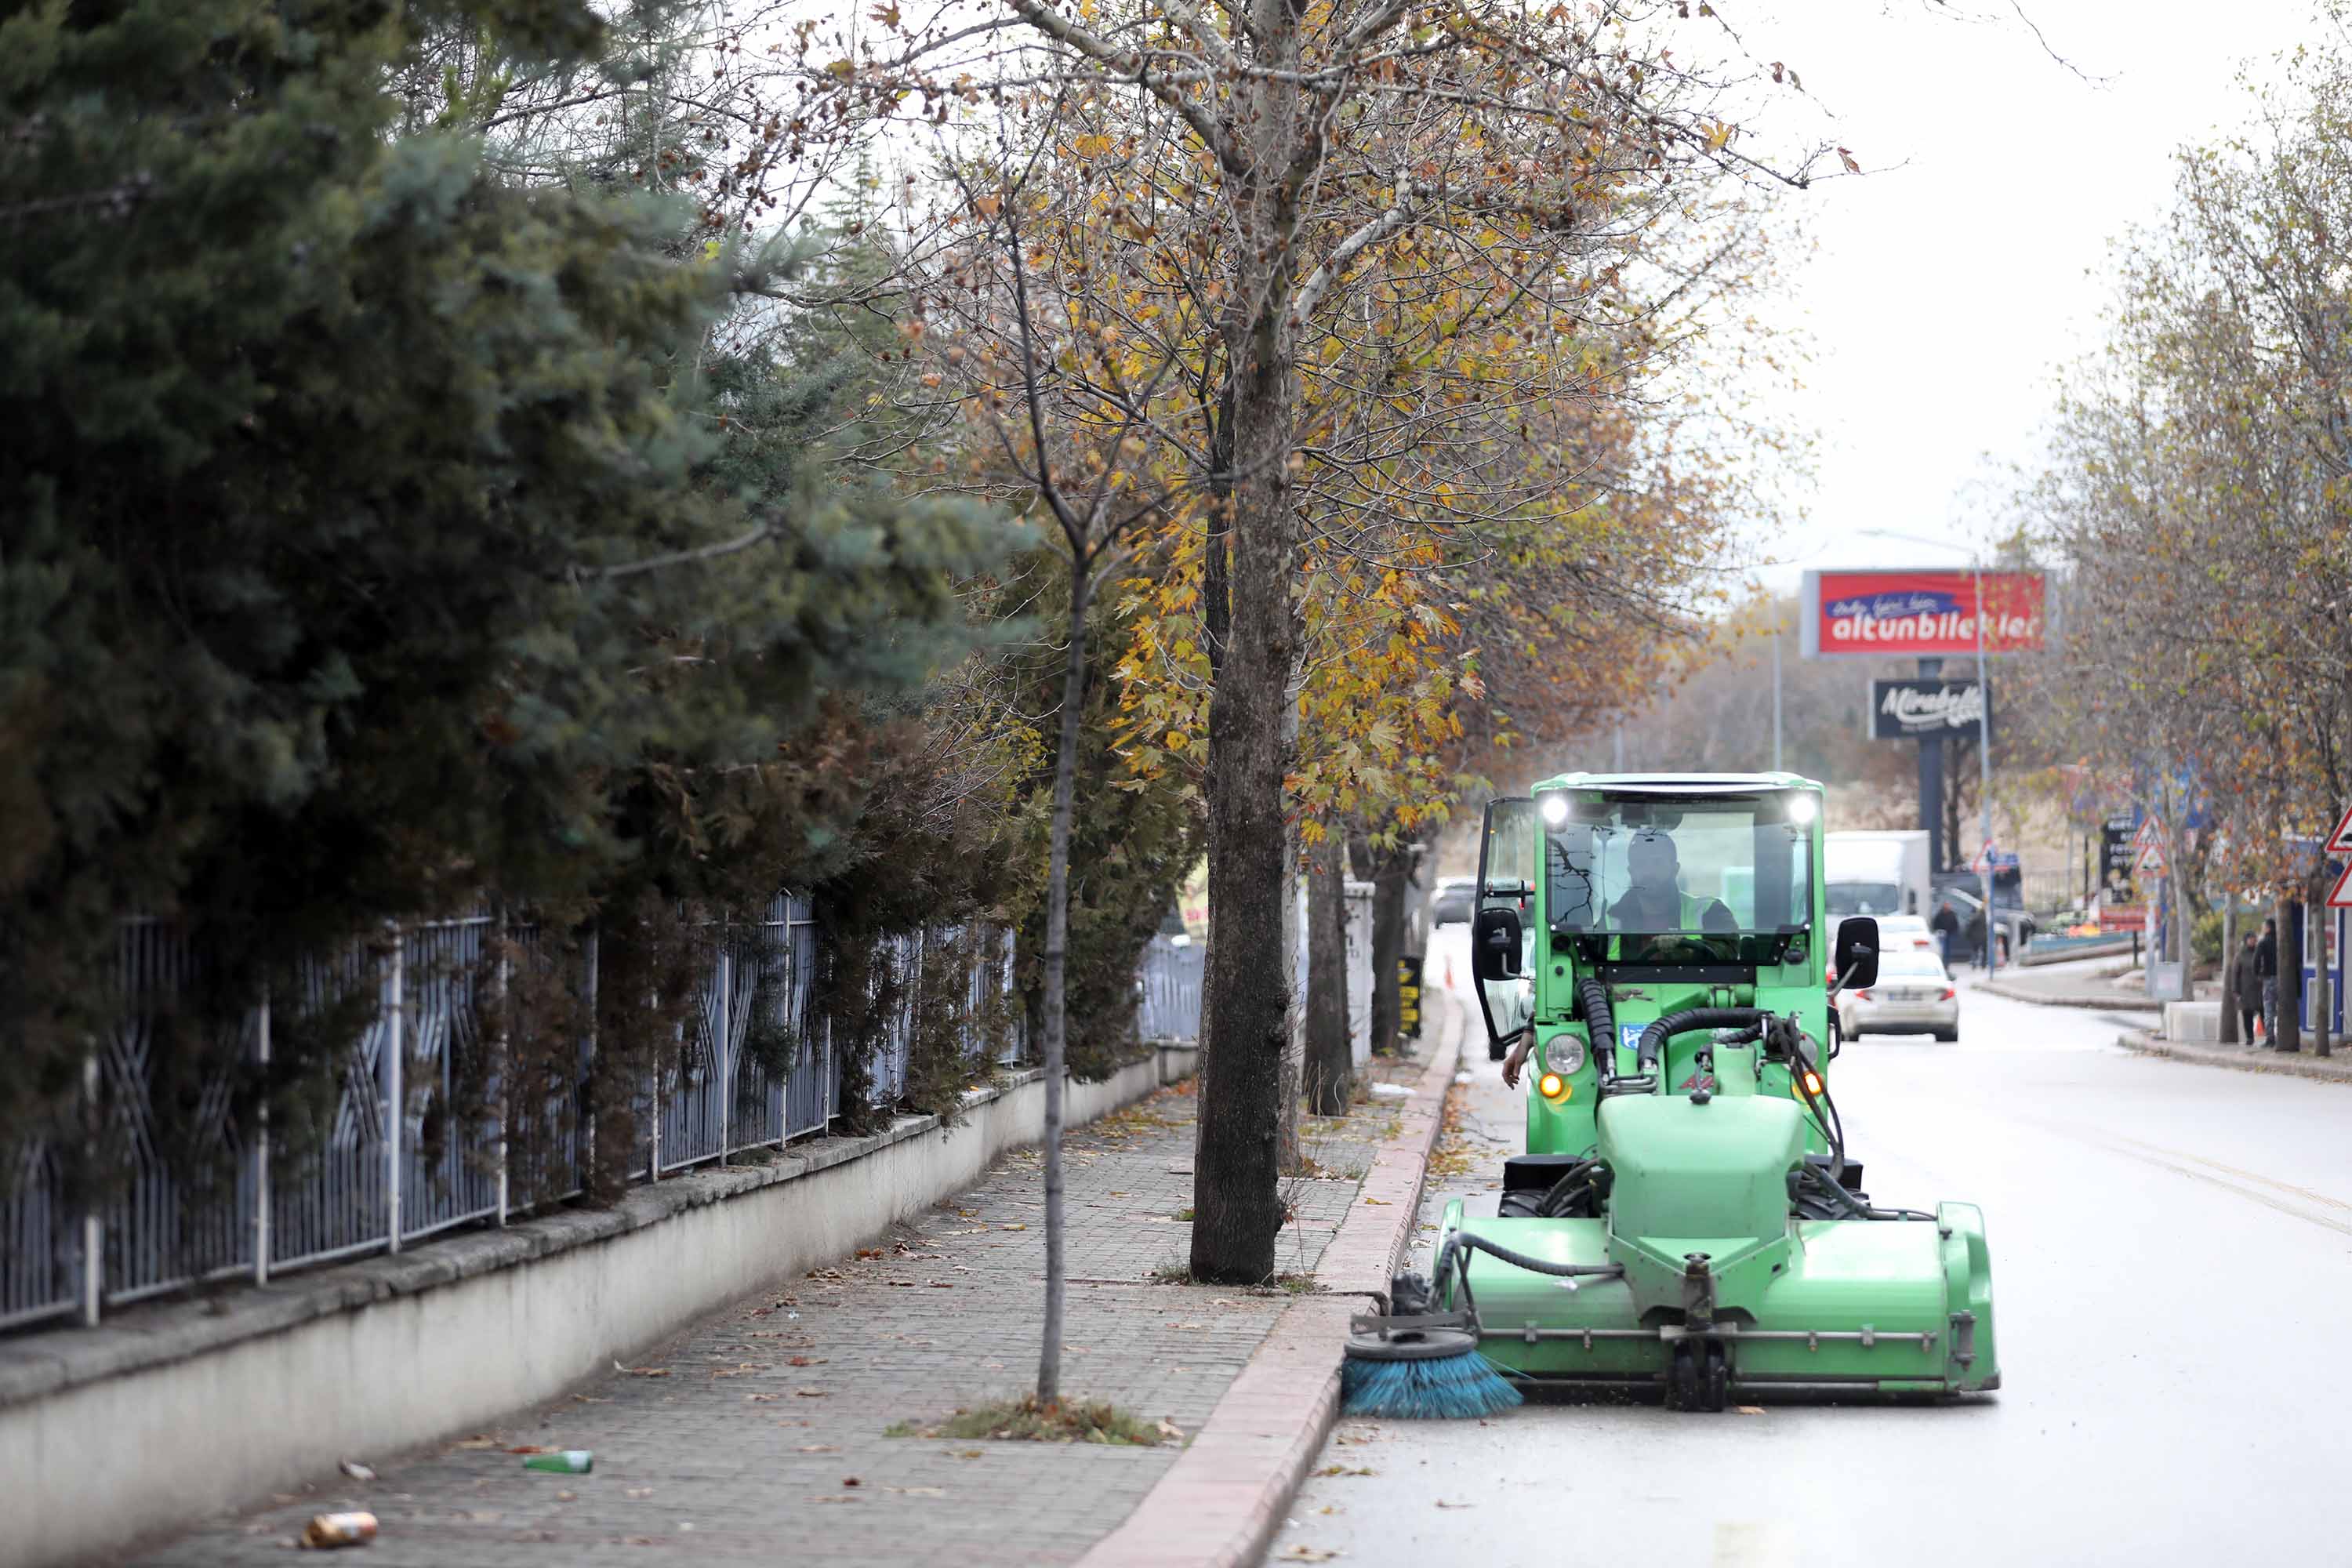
(1714, 866)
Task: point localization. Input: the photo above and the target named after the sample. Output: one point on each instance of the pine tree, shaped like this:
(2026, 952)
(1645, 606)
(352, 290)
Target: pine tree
(367, 538)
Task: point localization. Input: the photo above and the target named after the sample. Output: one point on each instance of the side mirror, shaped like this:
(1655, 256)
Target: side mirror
(1855, 957)
(1495, 940)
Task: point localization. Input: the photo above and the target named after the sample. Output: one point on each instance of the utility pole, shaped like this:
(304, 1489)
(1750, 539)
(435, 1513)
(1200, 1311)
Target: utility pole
(1776, 688)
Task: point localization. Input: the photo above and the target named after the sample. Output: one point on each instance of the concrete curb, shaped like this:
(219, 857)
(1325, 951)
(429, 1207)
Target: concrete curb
(2331, 1069)
(1217, 1506)
(2118, 1004)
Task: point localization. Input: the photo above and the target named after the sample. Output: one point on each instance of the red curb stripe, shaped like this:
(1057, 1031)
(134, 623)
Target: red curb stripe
(1217, 1506)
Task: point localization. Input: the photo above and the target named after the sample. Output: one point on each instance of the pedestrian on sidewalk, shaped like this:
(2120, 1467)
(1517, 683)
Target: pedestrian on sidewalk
(2266, 969)
(2246, 985)
(1947, 927)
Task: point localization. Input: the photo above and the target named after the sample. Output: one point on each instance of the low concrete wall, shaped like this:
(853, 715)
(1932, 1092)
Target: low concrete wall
(2193, 1021)
(172, 1411)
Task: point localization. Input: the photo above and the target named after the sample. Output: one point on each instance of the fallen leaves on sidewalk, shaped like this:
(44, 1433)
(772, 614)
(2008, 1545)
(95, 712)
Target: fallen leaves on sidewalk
(479, 1440)
(1443, 1503)
(1307, 1554)
(1346, 1470)
(1750, 1409)
(641, 1371)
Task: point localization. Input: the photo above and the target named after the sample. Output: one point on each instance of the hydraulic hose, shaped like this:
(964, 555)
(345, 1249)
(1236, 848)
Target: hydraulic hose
(1600, 1025)
(1826, 1187)
(1653, 1038)
(1452, 1259)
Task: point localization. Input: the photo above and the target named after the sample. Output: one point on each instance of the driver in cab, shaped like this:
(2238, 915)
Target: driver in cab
(1655, 901)
(1653, 904)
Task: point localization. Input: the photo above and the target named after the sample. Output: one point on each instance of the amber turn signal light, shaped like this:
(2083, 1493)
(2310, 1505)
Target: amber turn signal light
(1551, 1086)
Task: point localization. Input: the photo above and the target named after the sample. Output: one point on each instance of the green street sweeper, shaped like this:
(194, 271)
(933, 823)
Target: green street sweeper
(1687, 1216)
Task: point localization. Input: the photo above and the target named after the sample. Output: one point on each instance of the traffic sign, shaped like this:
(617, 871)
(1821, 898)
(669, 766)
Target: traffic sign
(2151, 835)
(2151, 859)
(2000, 860)
(2340, 841)
(2341, 898)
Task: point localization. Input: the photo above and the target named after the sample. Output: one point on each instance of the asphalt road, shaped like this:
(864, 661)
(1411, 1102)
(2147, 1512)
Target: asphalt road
(2172, 1263)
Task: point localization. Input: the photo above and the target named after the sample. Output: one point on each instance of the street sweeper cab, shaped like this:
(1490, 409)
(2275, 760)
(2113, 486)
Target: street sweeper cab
(1687, 1214)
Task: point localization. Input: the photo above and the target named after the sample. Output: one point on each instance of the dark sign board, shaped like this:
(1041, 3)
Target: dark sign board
(1409, 995)
(2115, 851)
(1905, 709)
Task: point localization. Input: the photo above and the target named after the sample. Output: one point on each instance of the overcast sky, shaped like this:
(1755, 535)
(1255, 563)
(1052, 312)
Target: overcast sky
(1948, 288)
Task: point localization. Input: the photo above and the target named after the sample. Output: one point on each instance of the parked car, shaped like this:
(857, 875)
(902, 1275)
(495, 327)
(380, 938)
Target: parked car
(1914, 994)
(1457, 897)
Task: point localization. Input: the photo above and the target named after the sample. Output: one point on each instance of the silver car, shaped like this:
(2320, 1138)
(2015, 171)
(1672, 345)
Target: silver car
(1912, 995)
(1457, 898)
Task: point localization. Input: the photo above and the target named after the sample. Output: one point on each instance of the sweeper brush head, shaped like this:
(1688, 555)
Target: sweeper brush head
(1421, 1375)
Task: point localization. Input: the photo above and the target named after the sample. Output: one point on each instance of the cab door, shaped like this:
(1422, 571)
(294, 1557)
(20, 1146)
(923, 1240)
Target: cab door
(1502, 930)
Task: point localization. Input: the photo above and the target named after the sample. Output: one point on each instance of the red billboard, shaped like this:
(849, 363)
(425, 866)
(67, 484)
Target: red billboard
(1905, 614)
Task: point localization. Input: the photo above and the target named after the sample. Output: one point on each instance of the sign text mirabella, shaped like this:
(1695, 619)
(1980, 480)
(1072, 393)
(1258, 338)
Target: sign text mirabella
(1913, 612)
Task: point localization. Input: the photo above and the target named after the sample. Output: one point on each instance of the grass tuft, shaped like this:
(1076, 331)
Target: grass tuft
(1024, 1420)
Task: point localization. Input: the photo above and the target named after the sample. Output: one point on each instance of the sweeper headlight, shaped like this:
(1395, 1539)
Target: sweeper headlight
(1802, 808)
(1565, 1054)
(1552, 805)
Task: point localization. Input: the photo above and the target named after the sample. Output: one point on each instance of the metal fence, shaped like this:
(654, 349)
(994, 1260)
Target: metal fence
(393, 1155)
(1168, 990)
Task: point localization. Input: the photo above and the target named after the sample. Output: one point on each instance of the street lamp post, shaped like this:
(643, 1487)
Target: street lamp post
(1984, 766)
(1984, 729)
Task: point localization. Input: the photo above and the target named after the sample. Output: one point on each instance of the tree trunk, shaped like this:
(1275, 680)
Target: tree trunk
(1330, 1065)
(1057, 942)
(2183, 932)
(2290, 965)
(1253, 739)
(1287, 1150)
(2229, 969)
(1391, 879)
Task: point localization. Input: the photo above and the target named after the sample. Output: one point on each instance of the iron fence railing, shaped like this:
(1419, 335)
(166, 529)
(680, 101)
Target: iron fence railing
(403, 1147)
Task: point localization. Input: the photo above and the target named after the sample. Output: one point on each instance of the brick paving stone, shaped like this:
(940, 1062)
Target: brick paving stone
(764, 1439)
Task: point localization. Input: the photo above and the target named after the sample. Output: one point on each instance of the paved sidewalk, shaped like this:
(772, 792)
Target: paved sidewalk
(2244, 1059)
(2090, 983)
(758, 1435)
